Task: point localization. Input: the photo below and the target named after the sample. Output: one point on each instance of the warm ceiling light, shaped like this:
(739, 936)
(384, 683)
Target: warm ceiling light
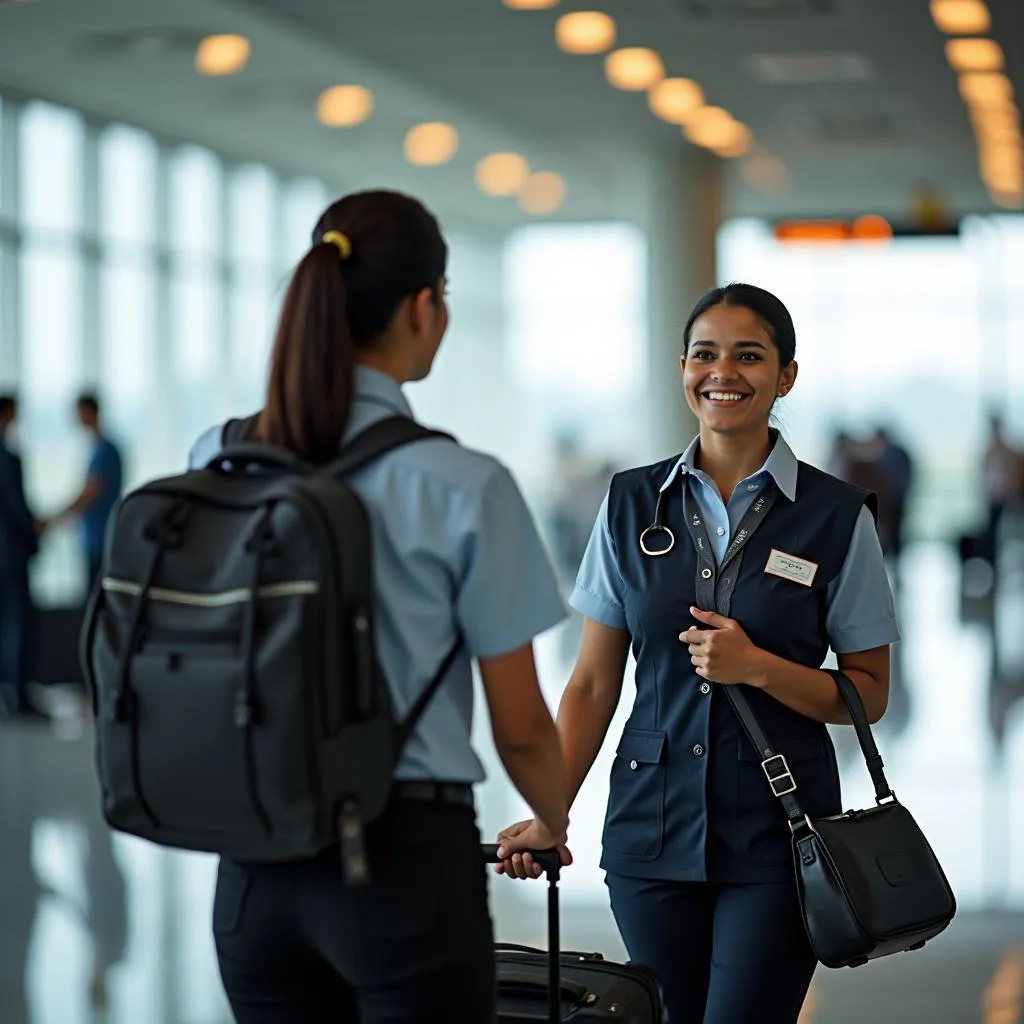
(711, 127)
(634, 69)
(676, 100)
(542, 193)
(961, 17)
(1002, 158)
(342, 106)
(501, 174)
(530, 5)
(431, 144)
(997, 123)
(737, 144)
(585, 32)
(996, 131)
(222, 55)
(974, 55)
(985, 87)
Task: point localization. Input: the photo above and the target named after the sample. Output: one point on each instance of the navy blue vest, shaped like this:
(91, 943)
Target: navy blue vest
(689, 800)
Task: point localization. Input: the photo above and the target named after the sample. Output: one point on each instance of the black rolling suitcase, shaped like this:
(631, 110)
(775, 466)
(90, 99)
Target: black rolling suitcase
(580, 987)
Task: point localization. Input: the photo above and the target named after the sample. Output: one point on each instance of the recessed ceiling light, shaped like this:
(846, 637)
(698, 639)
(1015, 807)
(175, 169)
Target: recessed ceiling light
(974, 55)
(676, 100)
(585, 32)
(985, 87)
(431, 144)
(501, 174)
(715, 128)
(222, 55)
(634, 69)
(530, 5)
(542, 193)
(961, 17)
(342, 106)
(736, 142)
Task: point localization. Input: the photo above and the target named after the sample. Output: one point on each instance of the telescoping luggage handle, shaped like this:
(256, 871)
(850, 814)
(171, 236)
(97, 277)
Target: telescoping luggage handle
(551, 862)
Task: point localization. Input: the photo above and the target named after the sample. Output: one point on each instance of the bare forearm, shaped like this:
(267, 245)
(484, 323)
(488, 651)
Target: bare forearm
(583, 720)
(813, 692)
(537, 773)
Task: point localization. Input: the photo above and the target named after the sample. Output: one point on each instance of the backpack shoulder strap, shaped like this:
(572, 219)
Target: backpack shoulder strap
(378, 439)
(238, 431)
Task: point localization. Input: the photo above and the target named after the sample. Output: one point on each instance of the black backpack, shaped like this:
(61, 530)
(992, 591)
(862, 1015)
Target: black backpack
(228, 649)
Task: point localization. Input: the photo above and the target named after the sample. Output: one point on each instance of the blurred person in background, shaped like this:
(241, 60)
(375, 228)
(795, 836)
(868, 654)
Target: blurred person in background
(898, 466)
(1003, 483)
(457, 559)
(104, 477)
(877, 463)
(730, 564)
(19, 542)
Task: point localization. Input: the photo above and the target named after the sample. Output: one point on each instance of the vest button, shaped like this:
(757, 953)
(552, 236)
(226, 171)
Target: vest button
(705, 688)
(698, 750)
(633, 765)
(706, 573)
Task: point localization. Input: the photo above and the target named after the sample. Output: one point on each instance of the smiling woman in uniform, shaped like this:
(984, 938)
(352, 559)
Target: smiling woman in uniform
(731, 564)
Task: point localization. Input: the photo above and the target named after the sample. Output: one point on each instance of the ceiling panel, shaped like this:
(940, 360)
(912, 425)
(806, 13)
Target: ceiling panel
(854, 96)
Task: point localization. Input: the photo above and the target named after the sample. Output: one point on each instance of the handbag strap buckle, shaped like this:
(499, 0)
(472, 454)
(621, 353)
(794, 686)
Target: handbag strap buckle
(777, 779)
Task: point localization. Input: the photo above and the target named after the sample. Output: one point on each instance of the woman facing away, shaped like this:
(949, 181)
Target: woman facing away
(755, 566)
(455, 553)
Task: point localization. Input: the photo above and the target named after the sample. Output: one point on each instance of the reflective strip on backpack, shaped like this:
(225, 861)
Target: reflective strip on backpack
(239, 595)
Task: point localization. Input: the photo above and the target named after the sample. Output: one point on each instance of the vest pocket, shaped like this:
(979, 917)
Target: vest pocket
(635, 824)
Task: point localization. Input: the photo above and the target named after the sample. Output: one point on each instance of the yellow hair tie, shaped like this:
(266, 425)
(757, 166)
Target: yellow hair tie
(341, 240)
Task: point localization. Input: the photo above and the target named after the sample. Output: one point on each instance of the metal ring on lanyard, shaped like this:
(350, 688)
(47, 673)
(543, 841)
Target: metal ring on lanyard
(658, 526)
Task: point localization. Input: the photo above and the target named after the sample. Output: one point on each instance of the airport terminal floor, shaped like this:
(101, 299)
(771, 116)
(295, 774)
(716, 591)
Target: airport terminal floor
(95, 928)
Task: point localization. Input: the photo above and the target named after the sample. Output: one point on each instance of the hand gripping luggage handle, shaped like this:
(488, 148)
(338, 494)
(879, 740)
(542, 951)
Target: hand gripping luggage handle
(551, 862)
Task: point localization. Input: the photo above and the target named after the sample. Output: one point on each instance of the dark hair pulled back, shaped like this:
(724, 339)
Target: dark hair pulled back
(768, 308)
(338, 303)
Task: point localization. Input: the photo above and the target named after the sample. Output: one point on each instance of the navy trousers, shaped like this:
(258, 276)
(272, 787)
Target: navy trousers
(725, 953)
(296, 945)
(15, 634)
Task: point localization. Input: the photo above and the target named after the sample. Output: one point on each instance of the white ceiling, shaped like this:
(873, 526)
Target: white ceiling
(495, 73)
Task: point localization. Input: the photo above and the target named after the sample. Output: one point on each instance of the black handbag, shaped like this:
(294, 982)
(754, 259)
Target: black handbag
(868, 881)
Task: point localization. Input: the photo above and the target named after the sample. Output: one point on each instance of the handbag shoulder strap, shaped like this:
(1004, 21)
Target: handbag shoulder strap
(775, 766)
(854, 704)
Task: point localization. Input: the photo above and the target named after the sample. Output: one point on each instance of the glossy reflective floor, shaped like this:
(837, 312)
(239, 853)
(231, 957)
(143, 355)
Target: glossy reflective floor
(101, 928)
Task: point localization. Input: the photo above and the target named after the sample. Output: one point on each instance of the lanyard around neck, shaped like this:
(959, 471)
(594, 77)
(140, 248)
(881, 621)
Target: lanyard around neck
(715, 583)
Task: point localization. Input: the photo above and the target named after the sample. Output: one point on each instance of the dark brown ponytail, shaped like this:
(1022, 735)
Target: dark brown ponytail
(339, 302)
(309, 395)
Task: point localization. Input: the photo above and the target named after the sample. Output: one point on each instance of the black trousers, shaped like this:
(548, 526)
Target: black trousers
(296, 945)
(15, 634)
(725, 953)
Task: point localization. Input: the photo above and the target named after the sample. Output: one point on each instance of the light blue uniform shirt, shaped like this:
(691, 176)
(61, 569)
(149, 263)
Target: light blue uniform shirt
(455, 550)
(860, 612)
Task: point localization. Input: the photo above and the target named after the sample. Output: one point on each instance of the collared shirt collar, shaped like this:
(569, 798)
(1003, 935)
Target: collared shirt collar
(781, 464)
(378, 388)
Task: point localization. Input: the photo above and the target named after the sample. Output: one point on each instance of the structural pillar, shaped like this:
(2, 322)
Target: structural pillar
(10, 287)
(681, 215)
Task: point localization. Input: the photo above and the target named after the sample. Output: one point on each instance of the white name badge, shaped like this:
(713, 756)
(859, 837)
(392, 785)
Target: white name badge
(789, 567)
